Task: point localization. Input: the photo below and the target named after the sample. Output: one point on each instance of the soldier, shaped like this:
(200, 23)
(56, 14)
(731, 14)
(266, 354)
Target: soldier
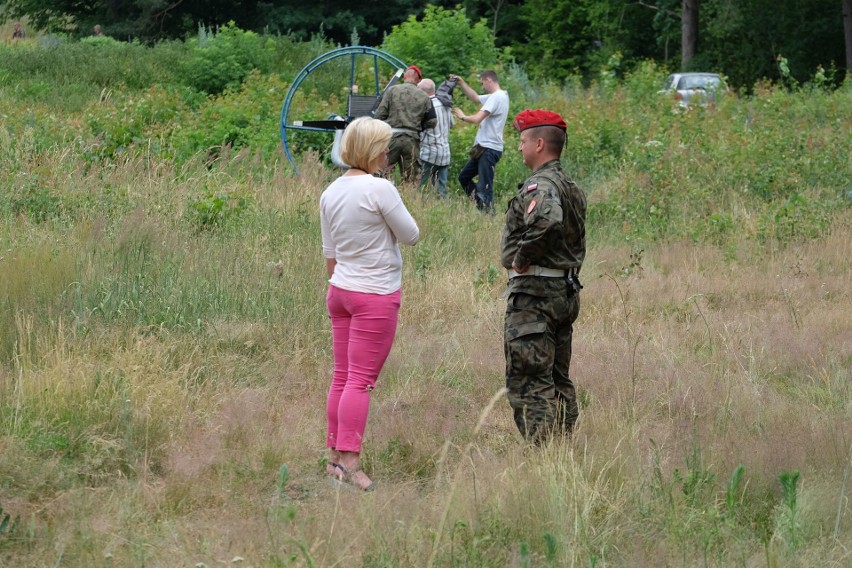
(408, 110)
(543, 246)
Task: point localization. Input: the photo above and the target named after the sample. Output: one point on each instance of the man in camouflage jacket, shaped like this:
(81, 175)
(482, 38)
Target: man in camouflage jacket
(408, 110)
(543, 247)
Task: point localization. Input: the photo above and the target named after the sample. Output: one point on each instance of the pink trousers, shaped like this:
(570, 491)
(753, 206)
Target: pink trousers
(363, 327)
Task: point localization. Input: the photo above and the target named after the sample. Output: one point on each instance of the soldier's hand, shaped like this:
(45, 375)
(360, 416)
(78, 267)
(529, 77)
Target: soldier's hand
(520, 269)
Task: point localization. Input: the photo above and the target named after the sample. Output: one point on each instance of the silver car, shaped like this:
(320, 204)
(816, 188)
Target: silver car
(695, 88)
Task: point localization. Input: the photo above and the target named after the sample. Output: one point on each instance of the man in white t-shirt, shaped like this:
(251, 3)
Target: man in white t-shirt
(488, 145)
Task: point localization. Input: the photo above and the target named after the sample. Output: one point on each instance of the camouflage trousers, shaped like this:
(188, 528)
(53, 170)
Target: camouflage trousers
(405, 151)
(537, 343)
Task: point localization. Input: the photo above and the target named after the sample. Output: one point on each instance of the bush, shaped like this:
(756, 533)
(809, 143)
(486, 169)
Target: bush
(222, 60)
(246, 117)
(443, 42)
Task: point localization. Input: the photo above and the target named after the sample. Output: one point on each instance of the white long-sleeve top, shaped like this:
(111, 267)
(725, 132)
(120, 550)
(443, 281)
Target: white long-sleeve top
(363, 220)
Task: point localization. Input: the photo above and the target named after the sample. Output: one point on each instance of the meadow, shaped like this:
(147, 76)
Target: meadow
(165, 350)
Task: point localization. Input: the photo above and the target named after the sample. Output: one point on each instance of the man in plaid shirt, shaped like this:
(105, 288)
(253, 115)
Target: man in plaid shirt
(435, 143)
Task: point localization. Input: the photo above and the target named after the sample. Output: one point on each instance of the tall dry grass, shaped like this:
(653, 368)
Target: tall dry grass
(134, 436)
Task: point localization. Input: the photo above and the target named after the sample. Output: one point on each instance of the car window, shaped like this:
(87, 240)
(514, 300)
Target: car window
(698, 82)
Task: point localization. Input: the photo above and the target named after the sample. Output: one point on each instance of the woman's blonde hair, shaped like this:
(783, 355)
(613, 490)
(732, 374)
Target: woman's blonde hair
(364, 141)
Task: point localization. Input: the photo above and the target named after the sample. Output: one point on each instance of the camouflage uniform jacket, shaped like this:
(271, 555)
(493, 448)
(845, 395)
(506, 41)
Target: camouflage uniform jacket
(545, 226)
(404, 107)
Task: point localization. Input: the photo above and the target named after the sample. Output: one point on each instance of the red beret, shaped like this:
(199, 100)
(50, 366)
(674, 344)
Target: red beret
(532, 118)
(416, 70)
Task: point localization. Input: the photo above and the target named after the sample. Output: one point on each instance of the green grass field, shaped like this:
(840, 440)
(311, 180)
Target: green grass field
(165, 351)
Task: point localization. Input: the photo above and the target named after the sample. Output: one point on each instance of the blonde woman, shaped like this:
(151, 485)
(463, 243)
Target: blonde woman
(363, 220)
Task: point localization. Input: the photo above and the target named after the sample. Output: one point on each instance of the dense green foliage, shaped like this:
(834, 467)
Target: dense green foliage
(741, 39)
(744, 39)
(582, 36)
(782, 154)
(152, 20)
(222, 60)
(443, 42)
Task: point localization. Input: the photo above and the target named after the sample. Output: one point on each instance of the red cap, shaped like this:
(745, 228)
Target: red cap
(417, 70)
(532, 118)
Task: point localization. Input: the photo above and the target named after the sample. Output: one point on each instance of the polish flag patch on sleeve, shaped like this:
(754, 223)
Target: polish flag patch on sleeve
(532, 187)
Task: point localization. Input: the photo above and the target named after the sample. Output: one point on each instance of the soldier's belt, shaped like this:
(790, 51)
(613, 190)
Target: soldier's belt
(534, 270)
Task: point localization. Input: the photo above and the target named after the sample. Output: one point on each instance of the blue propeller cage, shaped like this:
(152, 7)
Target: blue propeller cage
(350, 51)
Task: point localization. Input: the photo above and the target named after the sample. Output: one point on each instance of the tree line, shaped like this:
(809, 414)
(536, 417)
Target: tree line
(744, 39)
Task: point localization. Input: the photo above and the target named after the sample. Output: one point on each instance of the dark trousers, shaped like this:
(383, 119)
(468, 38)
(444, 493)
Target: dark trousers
(537, 343)
(482, 169)
(405, 151)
